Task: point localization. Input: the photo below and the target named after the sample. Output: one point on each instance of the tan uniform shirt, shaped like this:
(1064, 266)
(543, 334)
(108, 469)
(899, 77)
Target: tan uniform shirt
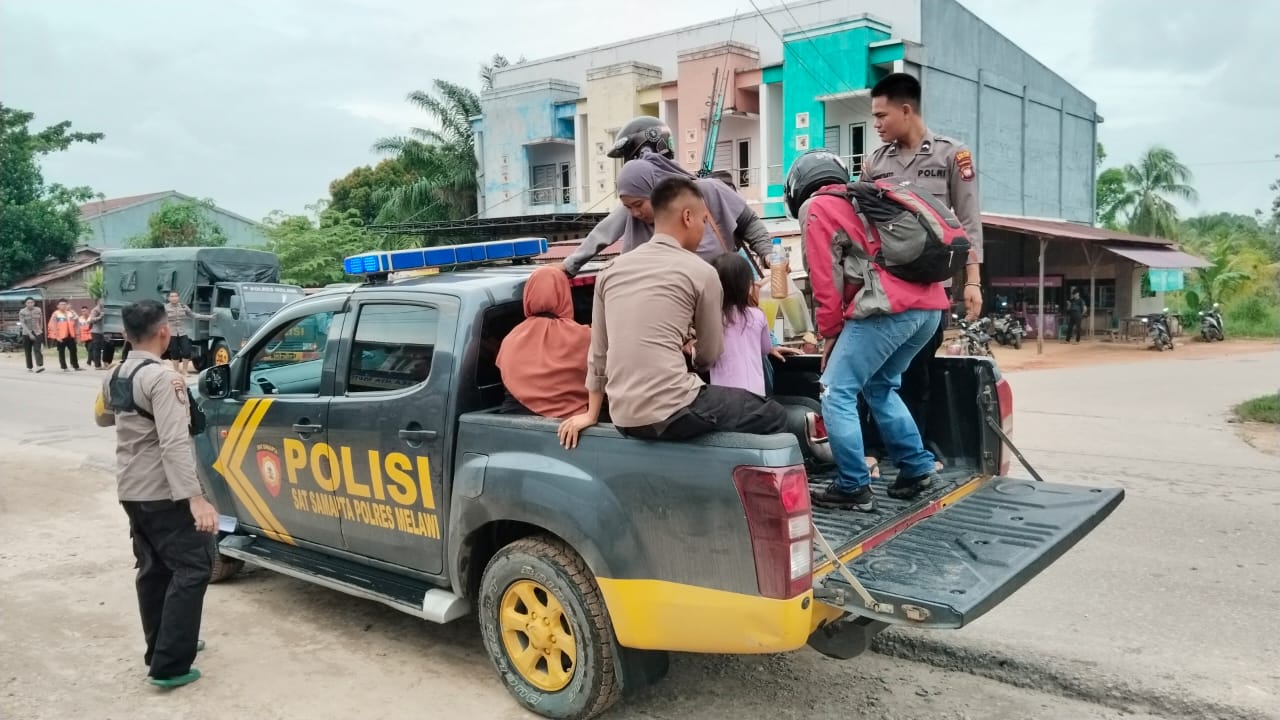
(180, 316)
(645, 303)
(154, 460)
(31, 320)
(942, 166)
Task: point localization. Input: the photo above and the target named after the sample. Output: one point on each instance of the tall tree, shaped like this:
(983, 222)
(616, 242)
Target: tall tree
(488, 70)
(1110, 190)
(362, 188)
(1149, 185)
(181, 224)
(311, 247)
(444, 159)
(37, 221)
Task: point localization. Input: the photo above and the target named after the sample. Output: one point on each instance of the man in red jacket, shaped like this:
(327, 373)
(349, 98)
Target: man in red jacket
(874, 323)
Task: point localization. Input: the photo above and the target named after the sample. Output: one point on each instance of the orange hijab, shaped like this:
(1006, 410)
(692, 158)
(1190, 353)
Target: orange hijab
(544, 359)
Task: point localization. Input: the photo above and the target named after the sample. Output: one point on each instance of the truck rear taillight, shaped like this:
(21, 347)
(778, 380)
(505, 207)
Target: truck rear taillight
(776, 501)
(1004, 397)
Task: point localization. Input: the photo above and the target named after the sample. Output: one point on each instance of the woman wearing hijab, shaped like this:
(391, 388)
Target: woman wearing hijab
(543, 361)
(632, 223)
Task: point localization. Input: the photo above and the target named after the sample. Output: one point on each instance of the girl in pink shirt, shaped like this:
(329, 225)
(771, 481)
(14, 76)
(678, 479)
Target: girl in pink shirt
(746, 332)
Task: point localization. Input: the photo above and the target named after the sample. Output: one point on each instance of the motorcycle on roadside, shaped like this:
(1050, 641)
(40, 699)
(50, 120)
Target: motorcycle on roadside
(1008, 329)
(974, 338)
(1157, 325)
(1211, 324)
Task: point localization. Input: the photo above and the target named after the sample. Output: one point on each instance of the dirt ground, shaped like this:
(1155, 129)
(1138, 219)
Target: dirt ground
(1060, 354)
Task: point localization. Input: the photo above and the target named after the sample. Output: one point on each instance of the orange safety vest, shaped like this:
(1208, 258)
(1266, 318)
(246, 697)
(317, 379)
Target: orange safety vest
(82, 329)
(62, 325)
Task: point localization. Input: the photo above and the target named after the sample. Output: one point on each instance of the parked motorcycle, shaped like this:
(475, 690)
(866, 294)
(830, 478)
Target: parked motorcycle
(1157, 325)
(10, 341)
(1211, 324)
(1008, 329)
(975, 337)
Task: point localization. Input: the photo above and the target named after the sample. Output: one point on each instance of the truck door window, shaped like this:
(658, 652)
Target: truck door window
(291, 360)
(393, 347)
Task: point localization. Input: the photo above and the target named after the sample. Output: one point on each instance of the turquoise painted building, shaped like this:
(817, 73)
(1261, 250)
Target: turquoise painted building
(112, 222)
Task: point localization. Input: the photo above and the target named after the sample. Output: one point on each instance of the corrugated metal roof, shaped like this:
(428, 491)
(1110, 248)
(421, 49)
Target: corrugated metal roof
(1063, 230)
(1164, 258)
(93, 209)
(55, 273)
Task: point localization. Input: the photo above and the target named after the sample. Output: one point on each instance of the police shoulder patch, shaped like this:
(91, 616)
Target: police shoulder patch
(964, 165)
(179, 389)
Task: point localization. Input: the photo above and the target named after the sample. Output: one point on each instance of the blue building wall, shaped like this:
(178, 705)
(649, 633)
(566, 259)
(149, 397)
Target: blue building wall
(522, 126)
(1033, 134)
(115, 229)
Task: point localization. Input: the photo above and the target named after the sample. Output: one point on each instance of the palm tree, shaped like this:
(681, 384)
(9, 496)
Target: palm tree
(444, 159)
(1148, 186)
(488, 71)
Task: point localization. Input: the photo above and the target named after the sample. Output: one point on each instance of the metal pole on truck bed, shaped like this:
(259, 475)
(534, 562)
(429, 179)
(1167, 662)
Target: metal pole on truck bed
(1040, 301)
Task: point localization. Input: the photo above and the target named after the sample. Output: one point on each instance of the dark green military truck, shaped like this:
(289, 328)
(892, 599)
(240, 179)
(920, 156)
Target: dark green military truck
(240, 288)
(383, 469)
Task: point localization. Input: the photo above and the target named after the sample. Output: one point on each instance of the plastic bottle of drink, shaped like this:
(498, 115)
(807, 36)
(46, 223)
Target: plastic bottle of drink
(778, 270)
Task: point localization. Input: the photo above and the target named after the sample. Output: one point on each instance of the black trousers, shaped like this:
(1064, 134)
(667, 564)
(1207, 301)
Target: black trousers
(174, 565)
(96, 349)
(65, 345)
(34, 348)
(717, 409)
(1073, 325)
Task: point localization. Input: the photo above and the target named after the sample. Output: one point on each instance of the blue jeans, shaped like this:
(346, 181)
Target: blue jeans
(869, 358)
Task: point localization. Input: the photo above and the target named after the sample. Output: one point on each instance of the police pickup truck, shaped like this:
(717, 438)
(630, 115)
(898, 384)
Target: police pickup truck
(382, 468)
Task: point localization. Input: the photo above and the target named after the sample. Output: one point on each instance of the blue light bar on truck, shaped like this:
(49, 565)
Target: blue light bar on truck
(443, 256)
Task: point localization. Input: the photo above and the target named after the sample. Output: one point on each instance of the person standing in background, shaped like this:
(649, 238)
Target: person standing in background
(84, 334)
(180, 348)
(97, 341)
(31, 325)
(170, 520)
(1077, 308)
(62, 330)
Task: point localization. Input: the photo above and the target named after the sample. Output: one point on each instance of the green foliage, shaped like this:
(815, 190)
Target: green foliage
(1109, 189)
(1252, 317)
(1148, 185)
(93, 283)
(443, 160)
(362, 188)
(37, 221)
(488, 70)
(181, 224)
(311, 247)
(1260, 409)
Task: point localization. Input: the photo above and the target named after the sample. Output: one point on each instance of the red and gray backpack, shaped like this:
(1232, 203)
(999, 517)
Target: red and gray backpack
(921, 241)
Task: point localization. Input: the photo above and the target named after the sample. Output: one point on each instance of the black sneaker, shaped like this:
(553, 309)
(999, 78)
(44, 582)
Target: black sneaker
(39, 369)
(833, 497)
(906, 488)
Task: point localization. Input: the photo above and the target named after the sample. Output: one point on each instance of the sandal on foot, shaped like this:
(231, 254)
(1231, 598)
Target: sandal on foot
(176, 681)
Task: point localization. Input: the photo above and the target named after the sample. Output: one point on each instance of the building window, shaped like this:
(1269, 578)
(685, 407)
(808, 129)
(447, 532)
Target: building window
(744, 163)
(831, 139)
(542, 185)
(857, 147)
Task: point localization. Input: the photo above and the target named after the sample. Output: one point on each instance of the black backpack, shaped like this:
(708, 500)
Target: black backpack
(921, 241)
(120, 399)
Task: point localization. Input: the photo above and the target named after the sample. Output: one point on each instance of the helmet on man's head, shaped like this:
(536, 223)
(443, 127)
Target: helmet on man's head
(809, 172)
(643, 132)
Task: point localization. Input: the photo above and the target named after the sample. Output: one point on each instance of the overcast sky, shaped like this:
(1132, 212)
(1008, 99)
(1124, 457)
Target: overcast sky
(260, 103)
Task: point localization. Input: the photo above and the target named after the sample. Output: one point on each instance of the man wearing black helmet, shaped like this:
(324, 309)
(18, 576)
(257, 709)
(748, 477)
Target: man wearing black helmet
(649, 136)
(874, 324)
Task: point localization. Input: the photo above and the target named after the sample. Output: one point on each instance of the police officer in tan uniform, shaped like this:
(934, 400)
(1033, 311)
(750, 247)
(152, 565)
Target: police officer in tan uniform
(942, 166)
(180, 349)
(170, 520)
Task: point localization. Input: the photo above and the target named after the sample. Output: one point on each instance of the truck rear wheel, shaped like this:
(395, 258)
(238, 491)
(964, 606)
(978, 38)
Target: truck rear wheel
(547, 631)
(220, 353)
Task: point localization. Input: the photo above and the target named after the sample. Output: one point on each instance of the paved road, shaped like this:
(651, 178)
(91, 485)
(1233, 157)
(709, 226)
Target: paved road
(1168, 609)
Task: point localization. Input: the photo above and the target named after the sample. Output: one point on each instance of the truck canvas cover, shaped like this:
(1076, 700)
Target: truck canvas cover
(212, 265)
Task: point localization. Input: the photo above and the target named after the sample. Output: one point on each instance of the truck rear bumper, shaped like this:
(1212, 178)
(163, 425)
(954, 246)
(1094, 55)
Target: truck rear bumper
(949, 569)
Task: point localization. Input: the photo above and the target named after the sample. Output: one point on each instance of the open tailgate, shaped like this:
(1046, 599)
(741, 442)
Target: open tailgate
(950, 568)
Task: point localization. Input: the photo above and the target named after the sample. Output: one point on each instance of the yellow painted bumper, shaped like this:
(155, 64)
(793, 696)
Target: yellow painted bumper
(660, 615)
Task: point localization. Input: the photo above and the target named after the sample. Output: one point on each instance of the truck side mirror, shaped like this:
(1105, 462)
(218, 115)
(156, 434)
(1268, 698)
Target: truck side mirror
(215, 382)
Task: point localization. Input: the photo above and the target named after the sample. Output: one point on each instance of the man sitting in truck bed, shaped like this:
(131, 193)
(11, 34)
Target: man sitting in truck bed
(644, 305)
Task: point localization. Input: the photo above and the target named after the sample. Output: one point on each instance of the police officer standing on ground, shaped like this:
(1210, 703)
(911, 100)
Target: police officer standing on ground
(180, 348)
(31, 324)
(170, 520)
(943, 167)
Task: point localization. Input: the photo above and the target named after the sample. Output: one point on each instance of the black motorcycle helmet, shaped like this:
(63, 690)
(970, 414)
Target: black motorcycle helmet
(643, 132)
(814, 169)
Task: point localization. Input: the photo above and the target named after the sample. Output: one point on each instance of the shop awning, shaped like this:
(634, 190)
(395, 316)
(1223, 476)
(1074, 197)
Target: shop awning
(1164, 258)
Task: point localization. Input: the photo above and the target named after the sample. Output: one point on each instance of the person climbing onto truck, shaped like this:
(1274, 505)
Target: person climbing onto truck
(645, 303)
(181, 351)
(645, 146)
(874, 323)
(543, 360)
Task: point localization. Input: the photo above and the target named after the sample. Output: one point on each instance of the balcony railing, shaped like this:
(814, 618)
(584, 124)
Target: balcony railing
(552, 196)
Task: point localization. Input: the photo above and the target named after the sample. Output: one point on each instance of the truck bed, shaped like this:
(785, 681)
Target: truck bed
(845, 529)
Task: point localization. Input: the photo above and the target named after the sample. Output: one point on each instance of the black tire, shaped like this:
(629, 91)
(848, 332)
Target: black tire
(224, 568)
(1017, 342)
(219, 348)
(594, 685)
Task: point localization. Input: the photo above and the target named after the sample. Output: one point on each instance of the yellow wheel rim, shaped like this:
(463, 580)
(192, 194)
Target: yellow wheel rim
(538, 636)
(221, 356)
